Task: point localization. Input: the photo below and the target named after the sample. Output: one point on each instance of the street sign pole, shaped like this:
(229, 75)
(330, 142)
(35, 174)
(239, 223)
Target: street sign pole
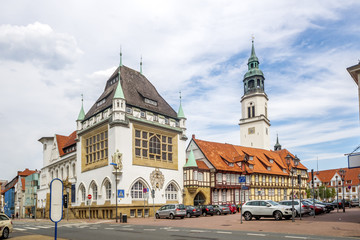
(89, 202)
(241, 191)
(153, 197)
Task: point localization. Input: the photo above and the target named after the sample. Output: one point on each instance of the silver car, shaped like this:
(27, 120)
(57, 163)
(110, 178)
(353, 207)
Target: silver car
(305, 209)
(171, 211)
(265, 208)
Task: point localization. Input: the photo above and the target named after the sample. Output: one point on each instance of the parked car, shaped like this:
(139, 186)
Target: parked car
(192, 211)
(265, 208)
(6, 226)
(221, 209)
(328, 206)
(305, 208)
(207, 210)
(354, 202)
(171, 211)
(232, 208)
(339, 203)
(318, 208)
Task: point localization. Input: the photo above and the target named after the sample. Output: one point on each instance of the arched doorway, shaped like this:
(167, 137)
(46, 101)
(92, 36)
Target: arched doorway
(199, 199)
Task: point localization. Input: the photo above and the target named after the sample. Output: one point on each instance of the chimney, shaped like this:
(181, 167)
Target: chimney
(193, 136)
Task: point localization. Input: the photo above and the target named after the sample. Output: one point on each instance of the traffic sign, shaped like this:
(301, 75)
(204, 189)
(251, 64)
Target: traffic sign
(153, 193)
(244, 188)
(144, 190)
(121, 193)
(349, 187)
(242, 179)
(56, 200)
(89, 196)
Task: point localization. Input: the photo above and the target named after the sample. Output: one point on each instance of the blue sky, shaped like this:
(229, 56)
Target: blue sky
(52, 52)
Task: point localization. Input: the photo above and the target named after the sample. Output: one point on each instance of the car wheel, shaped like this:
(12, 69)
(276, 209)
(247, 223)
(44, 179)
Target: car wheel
(5, 233)
(171, 216)
(247, 216)
(287, 217)
(204, 214)
(157, 216)
(182, 217)
(257, 218)
(218, 213)
(197, 215)
(277, 215)
(188, 215)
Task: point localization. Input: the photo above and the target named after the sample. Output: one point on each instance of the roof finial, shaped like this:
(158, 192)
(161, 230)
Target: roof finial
(252, 37)
(82, 112)
(120, 57)
(180, 112)
(141, 64)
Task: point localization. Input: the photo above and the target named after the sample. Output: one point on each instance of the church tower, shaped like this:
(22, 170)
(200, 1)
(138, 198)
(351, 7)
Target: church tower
(254, 122)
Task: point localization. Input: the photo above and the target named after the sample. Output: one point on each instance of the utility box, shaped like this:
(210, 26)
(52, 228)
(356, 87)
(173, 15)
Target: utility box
(124, 218)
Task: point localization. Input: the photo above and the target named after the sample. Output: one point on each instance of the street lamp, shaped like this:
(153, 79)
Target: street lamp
(116, 168)
(35, 195)
(359, 190)
(67, 207)
(342, 175)
(337, 193)
(288, 159)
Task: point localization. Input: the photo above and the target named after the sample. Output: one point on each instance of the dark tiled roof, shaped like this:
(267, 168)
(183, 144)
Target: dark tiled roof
(136, 87)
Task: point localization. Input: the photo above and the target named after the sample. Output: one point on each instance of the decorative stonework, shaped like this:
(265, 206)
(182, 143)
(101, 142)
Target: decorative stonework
(157, 179)
(117, 158)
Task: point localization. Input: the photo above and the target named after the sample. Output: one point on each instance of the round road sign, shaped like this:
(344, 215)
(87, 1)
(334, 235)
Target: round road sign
(89, 196)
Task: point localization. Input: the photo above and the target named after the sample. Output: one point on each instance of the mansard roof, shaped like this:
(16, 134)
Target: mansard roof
(221, 154)
(136, 88)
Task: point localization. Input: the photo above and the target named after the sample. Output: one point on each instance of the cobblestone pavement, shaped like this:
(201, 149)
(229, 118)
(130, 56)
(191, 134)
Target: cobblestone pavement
(332, 224)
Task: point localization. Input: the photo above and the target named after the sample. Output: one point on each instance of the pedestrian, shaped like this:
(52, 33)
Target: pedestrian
(17, 215)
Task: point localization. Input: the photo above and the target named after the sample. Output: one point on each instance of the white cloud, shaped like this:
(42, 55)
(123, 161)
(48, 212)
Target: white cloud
(37, 43)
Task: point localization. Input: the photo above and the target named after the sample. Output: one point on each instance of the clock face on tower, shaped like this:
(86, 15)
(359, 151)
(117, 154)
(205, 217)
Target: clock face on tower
(251, 130)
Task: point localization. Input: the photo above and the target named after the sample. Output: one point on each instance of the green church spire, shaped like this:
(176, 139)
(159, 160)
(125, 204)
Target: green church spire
(191, 160)
(82, 112)
(180, 112)
(119, 92)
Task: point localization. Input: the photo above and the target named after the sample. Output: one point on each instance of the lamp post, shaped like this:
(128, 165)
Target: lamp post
(288, 159)
(67, 207)
(342, 175)
(116, 168)
(359, 190)
(35, 195)
(337, 193)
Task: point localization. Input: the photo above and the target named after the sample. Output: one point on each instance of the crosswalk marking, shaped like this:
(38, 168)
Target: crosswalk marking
(149, 229)
(19, 229)
(223, 232)
(256, 234)
(31, 228)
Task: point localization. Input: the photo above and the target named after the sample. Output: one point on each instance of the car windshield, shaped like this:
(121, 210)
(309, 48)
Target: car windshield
(273, 203)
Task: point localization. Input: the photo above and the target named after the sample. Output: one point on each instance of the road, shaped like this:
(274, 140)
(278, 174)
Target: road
(88, 231)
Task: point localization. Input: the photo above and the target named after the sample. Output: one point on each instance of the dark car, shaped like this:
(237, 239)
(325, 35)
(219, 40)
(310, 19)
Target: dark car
(339, 203)
(192, 211)
(221, 209)
(207, 210)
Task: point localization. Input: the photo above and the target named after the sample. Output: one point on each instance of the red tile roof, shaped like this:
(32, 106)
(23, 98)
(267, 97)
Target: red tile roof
(26, 172)
(202, 165)
(65, 141)
(221, 154)
(325, 176)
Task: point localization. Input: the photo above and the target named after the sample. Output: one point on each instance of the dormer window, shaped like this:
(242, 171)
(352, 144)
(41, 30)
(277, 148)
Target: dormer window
(271, 160)
(166, 121)
(251, 166)
(251, 158)
(239, 164)
(142, 114)
(102, 101)
(114, 80)
(129, 110)
(268, 168)
(284, 170)
(151, 102)
(231, 164)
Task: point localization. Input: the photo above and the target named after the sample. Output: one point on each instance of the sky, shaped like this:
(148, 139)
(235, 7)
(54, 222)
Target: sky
(51, 52)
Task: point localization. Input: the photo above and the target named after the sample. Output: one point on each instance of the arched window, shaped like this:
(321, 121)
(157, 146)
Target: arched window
(94, 191)
(62, 173)
(137, 190)
(108, 190)
(171, 192)
(74, 170)
(258, 82)
(154, 147)
(83, 193)
(67, 172)
(251, 84)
